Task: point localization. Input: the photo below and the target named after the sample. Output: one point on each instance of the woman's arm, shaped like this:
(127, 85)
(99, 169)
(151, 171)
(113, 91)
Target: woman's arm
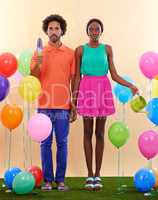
(114, 74)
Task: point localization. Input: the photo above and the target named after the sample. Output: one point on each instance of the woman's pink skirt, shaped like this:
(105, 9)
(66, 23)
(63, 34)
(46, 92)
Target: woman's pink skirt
(95, 97)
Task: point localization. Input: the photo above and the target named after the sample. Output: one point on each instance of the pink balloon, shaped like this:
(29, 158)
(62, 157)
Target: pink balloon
(39, 127)
(148, 144)
(16, 77)
(149, 64)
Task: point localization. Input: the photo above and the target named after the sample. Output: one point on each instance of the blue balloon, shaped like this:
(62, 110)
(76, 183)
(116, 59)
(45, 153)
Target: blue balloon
(152, 110)
(4, 87)
(10, 175)
(123, 93)
(144, 180)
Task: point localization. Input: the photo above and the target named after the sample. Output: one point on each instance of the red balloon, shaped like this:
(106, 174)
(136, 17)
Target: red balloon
(37, 173)
(8, 64)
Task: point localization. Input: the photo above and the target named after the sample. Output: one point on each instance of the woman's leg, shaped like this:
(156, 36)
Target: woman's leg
(99, 132)
(87, 140)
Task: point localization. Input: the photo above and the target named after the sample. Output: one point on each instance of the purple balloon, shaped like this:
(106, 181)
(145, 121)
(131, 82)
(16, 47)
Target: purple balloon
(4, 87)
(148, 144)
(149, 64)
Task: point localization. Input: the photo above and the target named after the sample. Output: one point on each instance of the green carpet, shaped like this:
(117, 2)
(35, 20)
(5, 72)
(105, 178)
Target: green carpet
(109, 191)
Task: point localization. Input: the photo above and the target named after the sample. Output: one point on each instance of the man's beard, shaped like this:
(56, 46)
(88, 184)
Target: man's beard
(54, 38)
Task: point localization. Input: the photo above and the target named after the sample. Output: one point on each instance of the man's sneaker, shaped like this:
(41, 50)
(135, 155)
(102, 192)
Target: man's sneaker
(62, 187)
(47, 186)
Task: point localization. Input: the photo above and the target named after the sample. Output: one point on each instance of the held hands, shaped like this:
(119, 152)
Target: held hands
(73, 113)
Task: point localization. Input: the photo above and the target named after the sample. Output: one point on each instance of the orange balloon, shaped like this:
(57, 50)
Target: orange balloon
(155, 170)
(11, 116)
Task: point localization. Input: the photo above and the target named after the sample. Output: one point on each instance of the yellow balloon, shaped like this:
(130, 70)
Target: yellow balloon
(155, 170)
(29, 88)
(154, 90)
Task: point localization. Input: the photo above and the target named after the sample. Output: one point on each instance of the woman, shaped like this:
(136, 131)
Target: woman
(93, 95)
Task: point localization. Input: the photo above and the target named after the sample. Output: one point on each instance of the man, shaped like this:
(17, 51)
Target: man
(55, 70)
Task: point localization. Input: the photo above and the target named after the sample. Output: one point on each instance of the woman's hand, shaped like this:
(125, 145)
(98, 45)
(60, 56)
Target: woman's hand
(134, 90)
(73, 112)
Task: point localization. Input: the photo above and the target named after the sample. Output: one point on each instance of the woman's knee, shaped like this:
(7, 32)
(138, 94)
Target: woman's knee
(88, 133)
(99, 135)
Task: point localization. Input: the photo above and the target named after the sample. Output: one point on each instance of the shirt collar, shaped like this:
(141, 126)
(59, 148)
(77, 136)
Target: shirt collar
(51, 48)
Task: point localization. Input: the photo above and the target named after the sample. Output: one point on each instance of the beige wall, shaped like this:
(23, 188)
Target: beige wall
(130, 27)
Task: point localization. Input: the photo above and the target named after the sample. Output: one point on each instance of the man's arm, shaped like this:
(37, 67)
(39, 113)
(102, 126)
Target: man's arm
(77, 78)
(72, 83)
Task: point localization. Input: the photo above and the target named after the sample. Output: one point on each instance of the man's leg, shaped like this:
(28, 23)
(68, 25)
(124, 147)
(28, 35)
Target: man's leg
(46, 152)
(61, 132)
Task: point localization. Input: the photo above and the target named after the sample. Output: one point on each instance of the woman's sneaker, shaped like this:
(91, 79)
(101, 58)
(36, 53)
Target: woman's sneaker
(97, 183)
(89, 184)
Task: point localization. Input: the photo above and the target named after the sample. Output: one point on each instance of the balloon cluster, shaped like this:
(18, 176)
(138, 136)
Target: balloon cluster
(23, 182)
(39, 125)
(148, 64)
(29, 88)
(148, 140)
(145, 179)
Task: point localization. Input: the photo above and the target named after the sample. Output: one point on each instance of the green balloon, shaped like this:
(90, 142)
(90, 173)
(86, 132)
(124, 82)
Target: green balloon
(23, 183)
(138, 103)
(24, 62)
(118, 134)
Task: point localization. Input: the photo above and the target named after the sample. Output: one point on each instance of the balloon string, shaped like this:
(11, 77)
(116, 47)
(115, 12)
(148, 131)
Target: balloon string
(149, 90)
(120, 112)
(118, 161)
(24, 142)
(7, 149)
(6, 142)
(150, 163)
(9, 152)
(30, 141)
(26, 135)
(123, 113)
(124, 120)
